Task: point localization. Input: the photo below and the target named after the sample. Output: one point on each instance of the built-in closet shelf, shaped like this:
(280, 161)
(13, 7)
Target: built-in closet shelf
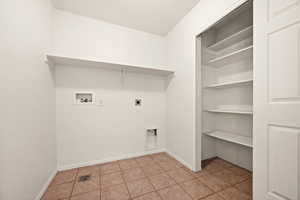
(231, 84)
(233, 39)
(62, 60)
(231, 111)
(231, 137)
(231, 57)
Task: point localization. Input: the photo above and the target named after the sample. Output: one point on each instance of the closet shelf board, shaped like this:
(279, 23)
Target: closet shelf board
(231, 137)
(231, 57)
(228, 111)
(230, 84)
(232, 39)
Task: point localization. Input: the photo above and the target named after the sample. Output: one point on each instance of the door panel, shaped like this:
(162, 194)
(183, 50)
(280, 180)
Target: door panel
(284, 65)
(276, 100)
(283, 163)
(276, 7)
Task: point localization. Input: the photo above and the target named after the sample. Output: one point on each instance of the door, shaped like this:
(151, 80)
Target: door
(276, 100)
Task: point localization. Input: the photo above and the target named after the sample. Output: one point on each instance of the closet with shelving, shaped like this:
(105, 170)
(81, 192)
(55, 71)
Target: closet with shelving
(225, 88)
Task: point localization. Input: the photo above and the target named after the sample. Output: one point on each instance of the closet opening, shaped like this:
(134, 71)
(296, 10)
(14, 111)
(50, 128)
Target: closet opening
(224, 88)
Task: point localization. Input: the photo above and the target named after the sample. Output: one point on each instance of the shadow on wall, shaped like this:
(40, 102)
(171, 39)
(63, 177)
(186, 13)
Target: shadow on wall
(97, 78)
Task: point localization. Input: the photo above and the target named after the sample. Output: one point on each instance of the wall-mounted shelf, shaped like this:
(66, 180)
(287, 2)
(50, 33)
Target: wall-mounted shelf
(230, 84)
(230, 137)
(231, 111)
(62, 60)
(234, 56)
(235, 38)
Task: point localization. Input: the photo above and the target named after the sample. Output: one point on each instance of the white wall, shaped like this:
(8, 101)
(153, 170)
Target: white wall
(92, 134)
(181, 55)
(28, 151)
(78, 36)
(89, 134)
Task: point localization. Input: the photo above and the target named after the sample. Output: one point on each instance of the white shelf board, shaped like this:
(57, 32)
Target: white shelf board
(231, 111)
(62, 60)
(228, 58)
(230, 83)
(231, 137)
(233, 39)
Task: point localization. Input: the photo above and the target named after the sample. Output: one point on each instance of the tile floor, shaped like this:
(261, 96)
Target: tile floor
(153, 177)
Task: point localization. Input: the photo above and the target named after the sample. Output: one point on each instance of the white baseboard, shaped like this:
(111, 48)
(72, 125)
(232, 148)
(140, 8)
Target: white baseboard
(46, 185)
(95, 162)
(180, 160)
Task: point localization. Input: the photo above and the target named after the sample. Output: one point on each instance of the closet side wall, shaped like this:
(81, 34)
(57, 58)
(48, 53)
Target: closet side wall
(27, 130)
(181, 94)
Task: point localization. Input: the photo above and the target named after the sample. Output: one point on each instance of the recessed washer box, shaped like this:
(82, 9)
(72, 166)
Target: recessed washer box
(84, 98)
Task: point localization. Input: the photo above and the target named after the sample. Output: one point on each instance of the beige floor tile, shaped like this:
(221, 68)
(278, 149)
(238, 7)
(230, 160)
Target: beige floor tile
(152, 170)
(179, 164)
(145, 161)
(245, 187)
(161, 158)
(201, 173)
(213, 182)
(95, 195)
(86, 186)
(110, 168)
(65, 177)
(190, 171)
(223, 163)
(213, 167)
(161, 181)
(139, 187)
(128, 164)
(196, 189)
(168, 165)
(213, 197)
(229, 177)
(149, 196)
(90, 170)
(240, 171)
(117, 192)
(174, 193)
(180, 175)
(57, 192)
(234, 194)
(111, 179)
(195, 174)
(133, 174)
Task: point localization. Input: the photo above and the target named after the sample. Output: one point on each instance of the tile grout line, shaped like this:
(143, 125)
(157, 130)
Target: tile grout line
(147, 177)
(155, 190)
(222, 190)
(122, 174)
(71, 194)
(141, 179)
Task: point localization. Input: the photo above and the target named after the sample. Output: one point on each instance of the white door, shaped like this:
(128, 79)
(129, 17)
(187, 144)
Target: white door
(276, 100)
